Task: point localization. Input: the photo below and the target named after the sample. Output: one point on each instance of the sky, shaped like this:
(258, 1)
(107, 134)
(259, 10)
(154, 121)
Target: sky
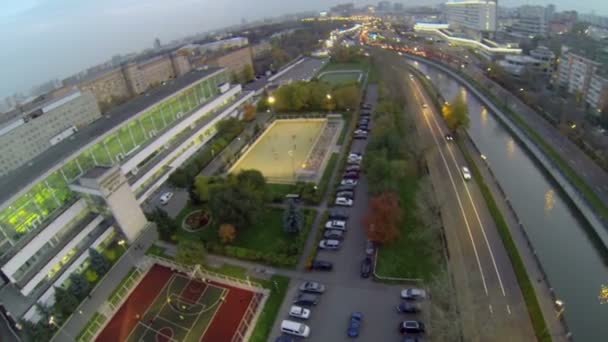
(45, 39)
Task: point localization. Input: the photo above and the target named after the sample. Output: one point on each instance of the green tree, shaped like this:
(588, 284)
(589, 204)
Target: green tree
(252, 181)
(39, 331)
(279, 57)
(99, 263)
(201, 184)
(190, 252)
(347, 96)
(248, 73)
(231, 204)
(65, 302)
(456, 114)
(79, 286)
(165, 226)
(293, 219)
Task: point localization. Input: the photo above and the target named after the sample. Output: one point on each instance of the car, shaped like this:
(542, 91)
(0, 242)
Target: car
(344, 202)
(366, 115)
(364, 121)
(355, 155)
(321, 265)
(329, 244)
(411, 327)
(413, 293)
(466, 174)
(369, 247)
(334, 234)
(352, 168)
(424, 105)
(295, 328)
(284, 339)
(366, 267)
(346, 194)
(354, 325)
(299, 312)
(353, 161)
(360, 132)
(366, 106)
(362, 127)
(412, 338)
(347, 181)
(360, 136)
(449, 137)
(408, 308)
(351, 175)
(306, 299)
(335, 224)
(166, 197)
(336, 215)
(312, 287)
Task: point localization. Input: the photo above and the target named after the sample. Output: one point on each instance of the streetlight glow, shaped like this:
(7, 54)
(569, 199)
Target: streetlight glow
(271, 100)
(328, 96)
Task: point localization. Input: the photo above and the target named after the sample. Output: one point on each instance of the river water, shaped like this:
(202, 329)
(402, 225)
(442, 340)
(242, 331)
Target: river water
(575, 268)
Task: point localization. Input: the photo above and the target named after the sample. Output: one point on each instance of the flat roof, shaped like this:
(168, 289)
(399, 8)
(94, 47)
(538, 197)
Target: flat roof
(20, 178)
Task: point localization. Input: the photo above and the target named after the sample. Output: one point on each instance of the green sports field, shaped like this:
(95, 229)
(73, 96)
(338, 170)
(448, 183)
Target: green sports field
(281, 149)
(340, 77)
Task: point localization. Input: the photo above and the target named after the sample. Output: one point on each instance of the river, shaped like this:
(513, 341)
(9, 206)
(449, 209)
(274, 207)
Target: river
(575, 268)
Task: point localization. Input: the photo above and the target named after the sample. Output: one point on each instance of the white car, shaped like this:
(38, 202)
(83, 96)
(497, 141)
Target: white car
(336, 224)
(466, 174)
(348, 181)
(299, 312)
(413, 293)
(360, 131)
(424, 105)
(345, 202)
(329, 244)
(356, 156)
(164, 199)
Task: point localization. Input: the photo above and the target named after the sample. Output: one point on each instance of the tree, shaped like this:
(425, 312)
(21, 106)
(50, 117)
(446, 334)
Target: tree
(383, 217)
(279, 57)
(99, 263)
(65, 302)
(227, 233)
(443, 309)
(249, 112)
(231, 204)
(252, 181)
(347, 96)
(293, 219)
(190, 252)
(165, 226)
(39, 331)
(79, 286)
(201, 185)
(456, 114)
(248, 74)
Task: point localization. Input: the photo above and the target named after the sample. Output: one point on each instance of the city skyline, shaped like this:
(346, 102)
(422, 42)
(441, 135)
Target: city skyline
(47, 46)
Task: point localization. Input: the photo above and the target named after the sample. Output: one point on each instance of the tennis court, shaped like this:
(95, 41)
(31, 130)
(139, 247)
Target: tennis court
(171, 306)
(282, 149)
(341, 76)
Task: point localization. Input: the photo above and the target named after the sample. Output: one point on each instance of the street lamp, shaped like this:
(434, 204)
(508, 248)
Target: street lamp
(271, 100)
(328, 96)
(54, 323)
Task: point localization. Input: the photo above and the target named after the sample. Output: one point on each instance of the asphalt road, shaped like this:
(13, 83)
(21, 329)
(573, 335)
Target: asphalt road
(303, 71)
(346, 291)
(491, 303)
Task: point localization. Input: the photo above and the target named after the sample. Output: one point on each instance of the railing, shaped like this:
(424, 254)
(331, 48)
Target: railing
(245, 328)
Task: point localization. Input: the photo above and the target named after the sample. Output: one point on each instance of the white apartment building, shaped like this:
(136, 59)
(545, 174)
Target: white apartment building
(472, 15)
(531, 22)
(578, 74)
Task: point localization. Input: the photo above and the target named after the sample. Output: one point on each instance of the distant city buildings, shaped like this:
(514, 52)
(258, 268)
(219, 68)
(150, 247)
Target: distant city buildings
(584, 77)
(477, 18)
(540, 63)
(530, 22)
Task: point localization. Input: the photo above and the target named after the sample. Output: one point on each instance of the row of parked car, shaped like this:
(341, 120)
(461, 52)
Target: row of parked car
(412, 329)
(301, 311)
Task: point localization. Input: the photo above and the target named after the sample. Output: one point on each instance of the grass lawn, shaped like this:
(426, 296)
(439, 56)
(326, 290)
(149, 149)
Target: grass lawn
(265, 233)
(278, 286)
(332, 66)
(91, 327)
(277, 192)
(340, 78)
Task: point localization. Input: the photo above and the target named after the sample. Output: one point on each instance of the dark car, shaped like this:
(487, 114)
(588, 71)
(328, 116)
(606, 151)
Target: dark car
(411, 327)
(321, 265)
(366, 106)
(360, 137)
(337, 215)
(351, 168)
(333, 234)
(306, 299)
(408, 308)
(350, 175)
(411, 338)
(284, 339)
(354, 325)
(346, 194)
(366, 267)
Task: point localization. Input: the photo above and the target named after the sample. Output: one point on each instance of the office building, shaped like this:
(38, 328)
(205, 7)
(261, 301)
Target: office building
(475, 17)
(24, 136)
(84, 192)
(530, 22)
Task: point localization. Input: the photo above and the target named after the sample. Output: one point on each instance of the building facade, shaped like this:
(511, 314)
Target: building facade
(32, 133)
(84, 192)
(532, 21)
(585, 77)
(235, 61)
(474, 16)
(261, 49)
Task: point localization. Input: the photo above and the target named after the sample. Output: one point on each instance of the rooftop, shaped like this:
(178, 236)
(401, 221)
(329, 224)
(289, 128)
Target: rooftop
(13, 182)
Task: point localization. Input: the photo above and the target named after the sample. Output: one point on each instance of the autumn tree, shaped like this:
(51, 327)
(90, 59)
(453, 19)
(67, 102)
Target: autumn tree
(248, 73)
(249, 112)
(227, 233)
(456, 114)
(383, 218)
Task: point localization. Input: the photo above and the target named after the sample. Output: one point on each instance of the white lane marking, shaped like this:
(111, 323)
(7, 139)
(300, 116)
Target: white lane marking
(445, 163)
(508, 309)
(491, 310)
(483, 231)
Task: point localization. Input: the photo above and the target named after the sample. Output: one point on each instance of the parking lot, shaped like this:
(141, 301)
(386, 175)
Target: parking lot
(346, 291)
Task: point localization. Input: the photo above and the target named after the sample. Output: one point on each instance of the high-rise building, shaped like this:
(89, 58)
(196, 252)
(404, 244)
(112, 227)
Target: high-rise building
(531, 21)
(84, 192)
(477, 17)
(584, 76)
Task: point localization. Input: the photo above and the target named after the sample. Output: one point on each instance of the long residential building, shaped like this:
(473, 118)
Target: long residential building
(581, 75)
(85, 192)
(472, 16)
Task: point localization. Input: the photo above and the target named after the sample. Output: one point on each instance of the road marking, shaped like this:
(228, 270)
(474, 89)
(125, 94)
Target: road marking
(508, 309)
(491, 310)
(483, 231)
(464, 216)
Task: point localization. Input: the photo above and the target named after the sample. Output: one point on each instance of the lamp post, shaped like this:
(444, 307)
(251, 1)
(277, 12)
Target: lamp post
(271, 100)
(328, 98)
(54, 323)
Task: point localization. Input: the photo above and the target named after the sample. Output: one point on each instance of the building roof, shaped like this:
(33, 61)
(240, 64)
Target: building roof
(20, 178)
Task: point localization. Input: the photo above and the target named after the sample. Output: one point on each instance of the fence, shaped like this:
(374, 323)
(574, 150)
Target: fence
(245, 328)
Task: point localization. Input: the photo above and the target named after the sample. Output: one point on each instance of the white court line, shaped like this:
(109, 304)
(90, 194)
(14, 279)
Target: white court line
(155, 299)
(464, 216)
(508, 309)
(225, 290)
(173, 323)
(148, 328)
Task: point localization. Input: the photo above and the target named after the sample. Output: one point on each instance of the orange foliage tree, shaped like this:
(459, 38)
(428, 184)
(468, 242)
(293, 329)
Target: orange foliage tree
(227, 233)
(249, 112)
(383, 217)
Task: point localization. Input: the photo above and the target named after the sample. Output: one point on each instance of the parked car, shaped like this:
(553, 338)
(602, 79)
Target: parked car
(352, 168)
(355, 155)
(366, 267)
(449, 137)
(362, 127)
(329, 244)
(321, 265)
(344, 202)
(346, 194)
(360, 132)
(366, 106)
(466, 174)
(295, 328)
(354, 325)
(369, 247)
(335, 224)
(424, 105)
(306, 299)
(413, 293)
(312, 287)
(347, 181)
(336, 215)
(412, 338)
(284, 339)
(360, 136)
(408, 307)
(351, 175)
(411, 327)
(166, 197)
(353, 162)
(299, 312)
(334, 234)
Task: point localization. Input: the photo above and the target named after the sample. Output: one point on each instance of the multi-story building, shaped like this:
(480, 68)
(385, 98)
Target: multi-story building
(261, 49)
(224, 44)
(475, 17)
(531, 22)
(107, 86)
(235, 61)
(540, 63)
(597, 95)
(29, 134)
(583, 76)
(84, 192)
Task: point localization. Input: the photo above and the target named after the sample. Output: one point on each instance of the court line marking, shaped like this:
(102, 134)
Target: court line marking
(173, 323)
(224, 290)
(156, 332)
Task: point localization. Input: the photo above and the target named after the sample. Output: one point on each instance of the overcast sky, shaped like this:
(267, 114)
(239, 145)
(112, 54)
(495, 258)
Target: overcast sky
(44, 39)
